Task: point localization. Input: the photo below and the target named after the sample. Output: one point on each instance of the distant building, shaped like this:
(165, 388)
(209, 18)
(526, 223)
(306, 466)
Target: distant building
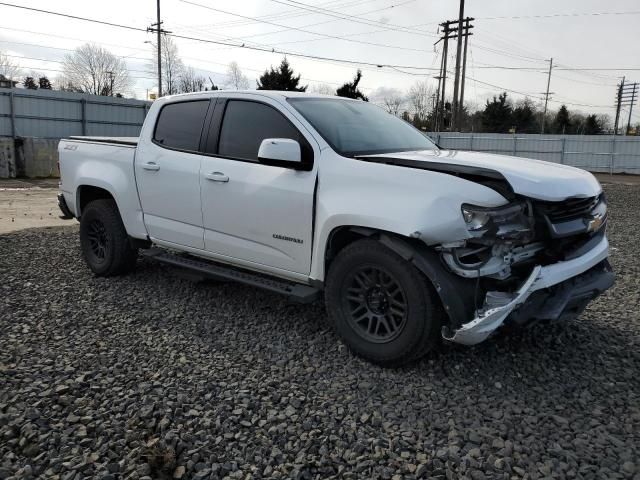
(7, 82)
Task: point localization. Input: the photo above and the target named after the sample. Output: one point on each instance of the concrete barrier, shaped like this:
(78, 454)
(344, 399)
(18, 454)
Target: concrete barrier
(7, 158)
(37, 157)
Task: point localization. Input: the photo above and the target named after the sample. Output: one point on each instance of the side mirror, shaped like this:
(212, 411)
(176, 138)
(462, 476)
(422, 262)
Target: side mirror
(280, 152)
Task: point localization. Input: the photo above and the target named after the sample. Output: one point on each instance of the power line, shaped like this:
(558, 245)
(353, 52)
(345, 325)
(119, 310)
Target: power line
(49, 12)
(62, 61)
(288, 28)
(292, 13)
(216, 42)
(354, 19)
(554, 15)
(147, 59)
(397, 68)
(273, 32)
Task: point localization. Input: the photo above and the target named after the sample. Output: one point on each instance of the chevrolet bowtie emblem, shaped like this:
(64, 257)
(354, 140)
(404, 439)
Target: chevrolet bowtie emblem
(595, 223)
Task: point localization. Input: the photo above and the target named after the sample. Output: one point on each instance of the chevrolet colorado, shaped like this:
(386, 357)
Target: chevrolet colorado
(302, 194)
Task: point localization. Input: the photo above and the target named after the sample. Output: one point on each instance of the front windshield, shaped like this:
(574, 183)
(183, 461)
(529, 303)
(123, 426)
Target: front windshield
(355, 128)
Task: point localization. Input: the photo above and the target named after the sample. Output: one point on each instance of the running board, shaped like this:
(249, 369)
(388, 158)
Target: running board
(294, 291)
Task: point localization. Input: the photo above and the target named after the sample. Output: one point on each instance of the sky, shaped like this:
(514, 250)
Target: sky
(517, 36)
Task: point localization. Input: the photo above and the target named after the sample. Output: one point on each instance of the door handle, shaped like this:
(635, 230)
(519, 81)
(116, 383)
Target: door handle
(217, 177)
(151, 166)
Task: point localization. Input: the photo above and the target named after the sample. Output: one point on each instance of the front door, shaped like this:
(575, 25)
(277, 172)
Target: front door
(254, 212)
(168, 175)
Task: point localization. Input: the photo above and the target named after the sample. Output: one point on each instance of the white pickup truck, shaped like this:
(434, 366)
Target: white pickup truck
(307, 194)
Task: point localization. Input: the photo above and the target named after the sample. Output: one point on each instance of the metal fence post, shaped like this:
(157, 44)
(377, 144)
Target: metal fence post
(471, 142)
(564, 141)
(438, 141)
(515, 144)
(12, 112)
(613, 154)
(83, 104)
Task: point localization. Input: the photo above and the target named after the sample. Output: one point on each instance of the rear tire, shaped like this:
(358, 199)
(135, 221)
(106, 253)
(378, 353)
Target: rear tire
(104, 241)
(382, 307)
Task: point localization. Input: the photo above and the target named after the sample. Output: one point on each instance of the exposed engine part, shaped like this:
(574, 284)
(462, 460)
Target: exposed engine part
(483, 261)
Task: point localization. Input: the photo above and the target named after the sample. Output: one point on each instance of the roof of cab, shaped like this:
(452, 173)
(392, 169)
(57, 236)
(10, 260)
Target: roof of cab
(266, 93)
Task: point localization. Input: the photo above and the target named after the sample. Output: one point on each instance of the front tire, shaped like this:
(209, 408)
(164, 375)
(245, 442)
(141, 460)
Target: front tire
(382, 307)
(104, 241)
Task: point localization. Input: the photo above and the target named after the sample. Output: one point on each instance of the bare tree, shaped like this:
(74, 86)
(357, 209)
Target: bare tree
(8, 68)
(172, 65)
(322, 89)
(94, 69)
(235, 78)
(419, 99)
(393, 102)
(190, 81)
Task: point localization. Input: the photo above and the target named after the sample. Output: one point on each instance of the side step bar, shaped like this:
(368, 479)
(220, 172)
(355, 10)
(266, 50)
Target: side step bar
(294, 291)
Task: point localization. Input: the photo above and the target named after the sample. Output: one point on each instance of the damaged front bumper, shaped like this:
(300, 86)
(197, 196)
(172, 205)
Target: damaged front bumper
(585, 279)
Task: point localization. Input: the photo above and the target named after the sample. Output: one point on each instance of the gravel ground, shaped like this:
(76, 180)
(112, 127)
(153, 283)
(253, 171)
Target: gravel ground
(153, 375)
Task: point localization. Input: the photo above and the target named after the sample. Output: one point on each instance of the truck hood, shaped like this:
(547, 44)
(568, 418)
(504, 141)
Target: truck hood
(531, 178)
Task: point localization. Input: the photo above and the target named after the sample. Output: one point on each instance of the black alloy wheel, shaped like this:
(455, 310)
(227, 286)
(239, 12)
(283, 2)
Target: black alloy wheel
(98, 239)
(105, 245)
(381, 306)
(376, 304)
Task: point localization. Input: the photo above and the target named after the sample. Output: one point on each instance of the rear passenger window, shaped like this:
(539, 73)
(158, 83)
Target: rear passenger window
(246, 124)
(179, 125)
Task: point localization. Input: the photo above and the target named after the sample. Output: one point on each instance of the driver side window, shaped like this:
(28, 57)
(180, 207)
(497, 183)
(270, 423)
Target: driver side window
(246, 124)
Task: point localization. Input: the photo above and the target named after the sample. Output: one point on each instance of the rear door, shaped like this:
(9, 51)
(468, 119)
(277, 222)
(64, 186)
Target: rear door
(168, 174)
(255, 213)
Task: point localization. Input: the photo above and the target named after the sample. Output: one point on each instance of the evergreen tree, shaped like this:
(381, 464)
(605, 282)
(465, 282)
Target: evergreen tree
(44, 83)
(592, 125)
(350, 89)
(524, 117)
(496, 117)
(30, 84)
(562, 121)
(281, 78)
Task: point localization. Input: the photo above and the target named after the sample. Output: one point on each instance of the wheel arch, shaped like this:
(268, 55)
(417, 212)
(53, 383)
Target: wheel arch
(87, 193)
(456, 294)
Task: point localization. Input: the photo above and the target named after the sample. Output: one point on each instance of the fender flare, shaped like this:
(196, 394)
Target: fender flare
(457, 294)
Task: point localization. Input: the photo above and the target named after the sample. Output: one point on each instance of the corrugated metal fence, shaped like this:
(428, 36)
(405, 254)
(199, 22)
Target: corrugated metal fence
(596, 153)
(54, 114)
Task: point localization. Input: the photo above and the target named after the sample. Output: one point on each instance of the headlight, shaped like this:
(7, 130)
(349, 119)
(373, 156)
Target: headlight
(474, 218)
(510, 221)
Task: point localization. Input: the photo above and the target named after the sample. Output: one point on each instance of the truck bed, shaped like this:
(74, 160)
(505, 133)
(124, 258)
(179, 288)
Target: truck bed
(130, 141)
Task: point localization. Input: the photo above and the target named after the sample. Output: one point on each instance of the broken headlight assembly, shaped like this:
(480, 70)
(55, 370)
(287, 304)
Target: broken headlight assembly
(509, 222)
(500, 237)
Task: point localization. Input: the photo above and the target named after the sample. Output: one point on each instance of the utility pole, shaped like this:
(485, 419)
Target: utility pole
(546, 96)
(456, 82)
(634, 92)
(110, 83)
(442, 78)
(443, 74)
(626, 97)
(458, 89)
(618, 105)
(157, 28)
(436, 117)
(159, 40)
(464, 69)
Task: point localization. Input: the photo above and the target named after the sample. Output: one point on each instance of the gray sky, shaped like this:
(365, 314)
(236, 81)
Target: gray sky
(565, 30)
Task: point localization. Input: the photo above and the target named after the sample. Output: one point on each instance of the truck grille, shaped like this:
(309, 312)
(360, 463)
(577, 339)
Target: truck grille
(568, 209)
